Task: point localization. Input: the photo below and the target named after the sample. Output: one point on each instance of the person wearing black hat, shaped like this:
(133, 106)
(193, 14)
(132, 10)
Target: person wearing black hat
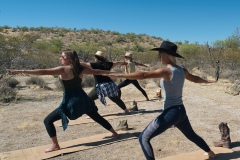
(172, 81)
(129, 68)
(104, 86)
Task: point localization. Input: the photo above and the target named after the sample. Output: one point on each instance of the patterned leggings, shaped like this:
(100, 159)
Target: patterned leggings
(175, 115)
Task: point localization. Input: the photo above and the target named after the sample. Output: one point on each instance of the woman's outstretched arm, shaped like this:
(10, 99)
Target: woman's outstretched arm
(117, 63)
(195, 79)
(141, 64)
(159, 73)
(50, 71)
(87, 70)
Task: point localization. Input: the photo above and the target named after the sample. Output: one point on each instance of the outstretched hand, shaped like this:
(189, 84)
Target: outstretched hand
(15, 71)
(111, 72)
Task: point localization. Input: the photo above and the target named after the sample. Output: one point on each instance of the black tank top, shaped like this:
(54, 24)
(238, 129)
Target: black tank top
(100, 78)
(71, 84)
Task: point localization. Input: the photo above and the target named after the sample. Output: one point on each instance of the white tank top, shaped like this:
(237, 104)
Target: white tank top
(130, 67)
(172, 89)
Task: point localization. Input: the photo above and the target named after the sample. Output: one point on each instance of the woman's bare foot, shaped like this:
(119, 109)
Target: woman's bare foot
(112, 136)
(114, 133)
(51, 149)
(210, 154)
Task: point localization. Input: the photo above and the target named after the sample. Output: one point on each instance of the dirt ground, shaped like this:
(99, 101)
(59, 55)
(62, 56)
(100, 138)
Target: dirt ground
(207, 105)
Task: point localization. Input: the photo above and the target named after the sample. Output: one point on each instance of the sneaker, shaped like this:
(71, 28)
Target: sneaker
(123, 125)
(133, 106)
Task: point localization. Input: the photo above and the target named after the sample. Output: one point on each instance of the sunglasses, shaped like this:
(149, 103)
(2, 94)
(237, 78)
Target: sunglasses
(63, 57)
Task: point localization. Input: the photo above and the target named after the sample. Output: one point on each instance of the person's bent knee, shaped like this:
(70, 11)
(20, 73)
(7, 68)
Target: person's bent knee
(46, 122)
(140, 138)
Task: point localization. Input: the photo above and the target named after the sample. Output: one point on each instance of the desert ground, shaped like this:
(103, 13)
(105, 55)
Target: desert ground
(207, 105)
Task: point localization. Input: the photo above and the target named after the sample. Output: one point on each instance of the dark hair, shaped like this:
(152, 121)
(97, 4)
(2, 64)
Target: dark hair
(102, 60)
(74, 61)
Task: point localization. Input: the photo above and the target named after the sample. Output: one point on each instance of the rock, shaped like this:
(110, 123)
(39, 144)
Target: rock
(234, 89)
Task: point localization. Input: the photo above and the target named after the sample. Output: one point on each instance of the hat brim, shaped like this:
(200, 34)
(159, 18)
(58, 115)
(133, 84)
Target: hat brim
(127, 56)
(168, 52)
(99, 56)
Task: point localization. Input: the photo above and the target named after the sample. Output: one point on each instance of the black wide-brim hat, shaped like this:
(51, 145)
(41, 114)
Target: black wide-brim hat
(169, 48)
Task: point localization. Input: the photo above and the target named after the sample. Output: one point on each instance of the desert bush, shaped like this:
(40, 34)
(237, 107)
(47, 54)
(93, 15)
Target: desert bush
(88, 81)
(36, 81)
(236, 86)
(12, 82)
(40, 47)
(7, 94)
(231, 75)
(58, 85)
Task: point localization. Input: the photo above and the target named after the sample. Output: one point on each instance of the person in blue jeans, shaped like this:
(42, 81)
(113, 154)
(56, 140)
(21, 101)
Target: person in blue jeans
(172, 81)
(129, 68)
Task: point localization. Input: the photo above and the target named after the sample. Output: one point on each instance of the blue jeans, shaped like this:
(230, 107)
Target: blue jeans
(175, 115)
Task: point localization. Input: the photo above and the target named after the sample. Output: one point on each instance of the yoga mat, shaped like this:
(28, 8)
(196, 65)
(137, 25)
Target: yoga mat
(221, 154)
(66, 147)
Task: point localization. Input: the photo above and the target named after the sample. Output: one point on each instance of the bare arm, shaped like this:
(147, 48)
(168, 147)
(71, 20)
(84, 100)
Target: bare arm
(87, 70)
(118, 63)
(50, 71)
(159, 73)
(195, 79)
(88, 65)
(140, 64)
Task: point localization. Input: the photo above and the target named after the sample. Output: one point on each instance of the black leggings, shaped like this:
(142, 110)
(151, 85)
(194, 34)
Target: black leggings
(135, 83)
(54, 116)
(93, 96)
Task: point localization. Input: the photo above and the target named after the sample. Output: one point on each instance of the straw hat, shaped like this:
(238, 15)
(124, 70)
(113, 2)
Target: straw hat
(128, 54)
(100, 54)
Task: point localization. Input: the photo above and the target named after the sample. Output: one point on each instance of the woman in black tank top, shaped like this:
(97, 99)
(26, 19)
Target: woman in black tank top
(75, 101)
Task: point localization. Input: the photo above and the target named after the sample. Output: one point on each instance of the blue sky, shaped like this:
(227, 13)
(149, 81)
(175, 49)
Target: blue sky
(177, 20)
